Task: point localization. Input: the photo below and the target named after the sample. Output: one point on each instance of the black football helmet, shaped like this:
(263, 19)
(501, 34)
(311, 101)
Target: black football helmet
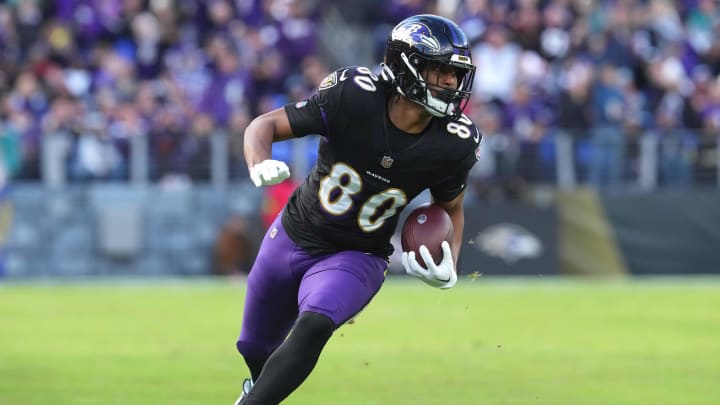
(423, 42)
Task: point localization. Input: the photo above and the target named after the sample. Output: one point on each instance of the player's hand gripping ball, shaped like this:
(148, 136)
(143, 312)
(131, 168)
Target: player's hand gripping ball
(426, 248)
(427, 225)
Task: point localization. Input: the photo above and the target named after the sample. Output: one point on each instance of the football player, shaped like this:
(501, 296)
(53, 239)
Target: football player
(384, 140)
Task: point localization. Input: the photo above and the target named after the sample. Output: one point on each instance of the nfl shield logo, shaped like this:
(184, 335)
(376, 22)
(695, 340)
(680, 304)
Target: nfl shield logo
(386, 162)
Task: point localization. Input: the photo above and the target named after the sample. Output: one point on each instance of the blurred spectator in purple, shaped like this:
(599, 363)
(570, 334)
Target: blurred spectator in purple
(527, 118)
(526, 24)
(473, 18)
(497, 61)
(91, 20)
(573, 115)
(156, 67)
(398, 10)
(25, 105)
(194, 152)
(230, 83)
(495, 178)
(694, 104)
(298, 36)
(610, 39)
(665, 21)
(499, 12)
(536, 72)
(710, 115)
(607, 138)
(711, 112)
(167, 134)
(94, 156)
(269, 74)
(220, 16)
(677, 146)
(148, 46)
(29, 20)
(186, 74)
(555, 35)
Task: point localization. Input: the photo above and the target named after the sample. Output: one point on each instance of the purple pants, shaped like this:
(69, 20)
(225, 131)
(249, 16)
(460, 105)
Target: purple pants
(285, 281)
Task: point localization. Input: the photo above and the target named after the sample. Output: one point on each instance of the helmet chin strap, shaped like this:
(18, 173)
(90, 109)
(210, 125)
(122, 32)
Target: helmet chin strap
(438, 107)
(433, 105)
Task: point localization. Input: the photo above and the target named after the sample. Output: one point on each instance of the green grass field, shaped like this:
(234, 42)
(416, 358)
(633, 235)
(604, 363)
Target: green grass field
(486, 341)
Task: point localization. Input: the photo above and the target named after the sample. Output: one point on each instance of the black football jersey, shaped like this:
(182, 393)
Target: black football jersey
(368, 170)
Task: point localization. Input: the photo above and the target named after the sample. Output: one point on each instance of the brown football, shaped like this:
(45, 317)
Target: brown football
(427, 225)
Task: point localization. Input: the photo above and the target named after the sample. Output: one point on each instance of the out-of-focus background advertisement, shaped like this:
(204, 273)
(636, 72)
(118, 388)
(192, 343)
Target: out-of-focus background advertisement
(121, 162)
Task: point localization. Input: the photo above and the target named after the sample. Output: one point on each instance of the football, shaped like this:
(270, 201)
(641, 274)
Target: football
(427, 225)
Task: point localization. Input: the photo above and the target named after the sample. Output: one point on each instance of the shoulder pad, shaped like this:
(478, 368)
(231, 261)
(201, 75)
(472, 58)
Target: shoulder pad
(463, 128)
(362, 77)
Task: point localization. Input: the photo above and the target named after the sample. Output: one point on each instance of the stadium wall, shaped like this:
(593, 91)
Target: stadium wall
(667, 232)
(159, 230)
(586, 233)
(120, 230)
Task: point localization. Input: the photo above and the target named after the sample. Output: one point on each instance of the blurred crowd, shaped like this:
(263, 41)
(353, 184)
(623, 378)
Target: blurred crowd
(601, 72)
(174, 70)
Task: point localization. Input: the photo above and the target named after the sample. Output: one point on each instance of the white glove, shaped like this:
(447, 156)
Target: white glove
(269, 172)
(437, 275)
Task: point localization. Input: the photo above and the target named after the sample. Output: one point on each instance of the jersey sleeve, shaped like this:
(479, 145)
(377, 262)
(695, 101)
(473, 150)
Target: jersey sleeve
(312, 116)
(454, 184)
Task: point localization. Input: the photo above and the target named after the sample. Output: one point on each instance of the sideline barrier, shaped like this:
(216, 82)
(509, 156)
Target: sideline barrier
(509, 239)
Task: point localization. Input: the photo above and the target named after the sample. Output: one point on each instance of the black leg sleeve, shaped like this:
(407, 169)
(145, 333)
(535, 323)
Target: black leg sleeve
(293, 361)
(255, 366)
